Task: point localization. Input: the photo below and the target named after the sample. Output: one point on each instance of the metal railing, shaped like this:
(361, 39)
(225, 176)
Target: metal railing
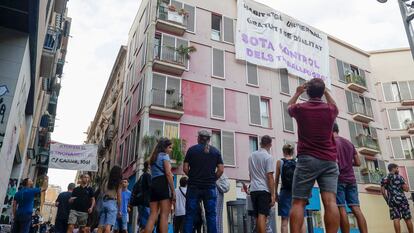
(368, 142)
(169, 54)
(357, 79)
(371, 178)
(51, 39)
(362, 109)
(174, 16)
(167, 99)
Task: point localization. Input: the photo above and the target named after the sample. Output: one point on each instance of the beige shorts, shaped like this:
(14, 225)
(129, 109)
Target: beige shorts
(78, 218)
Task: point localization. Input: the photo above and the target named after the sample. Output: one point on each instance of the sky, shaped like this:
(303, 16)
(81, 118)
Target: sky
(99, 28)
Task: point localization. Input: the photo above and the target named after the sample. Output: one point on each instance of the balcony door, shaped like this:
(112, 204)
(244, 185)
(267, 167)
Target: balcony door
(166, 91)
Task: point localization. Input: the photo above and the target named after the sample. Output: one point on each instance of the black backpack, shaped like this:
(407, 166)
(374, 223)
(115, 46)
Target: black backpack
(287, 169)
(137, 196)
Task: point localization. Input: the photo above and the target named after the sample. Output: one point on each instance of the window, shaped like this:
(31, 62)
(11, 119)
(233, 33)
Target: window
(344, 69)
(140, 94)
(215, 27)
(125, 153)
(168, 51)
(359, 131)
(224, 141)
(218, 63)
(397, 91)
(410, 175)
(128, 113)
(222, 28)
(400, 118)
(137, 140)
(144, 52)
(131, 151)
(287, 119)
(358, 104)
(166, 91)
(252, 74)
(189, 21)
(121, 152)
(284, 81)
(304, 95)
(253, 143)
(163, 129)
(402, 147)
(217, 103)
(264, 112)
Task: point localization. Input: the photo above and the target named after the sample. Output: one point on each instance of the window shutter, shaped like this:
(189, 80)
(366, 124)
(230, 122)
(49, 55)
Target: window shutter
(218, 63)
(410, 174)
(404, 90)
(350, 102)
(167, 50)
(362, 73)
(353, 133)
(252, 74)
(228, 148)
(397, 148)
(368, 107)
(393, 119)
(218, 102)
(388, 96)
(411, 85)
(158, 90)
(156, 128)
(347, 68)
(228, 25)
(173, 97)
(287, 119)
(340, 70)
(255, 110)
(374, 133)
(141, 97)
(190, 19)
(382, 166)
(144, 52)
(284, 81)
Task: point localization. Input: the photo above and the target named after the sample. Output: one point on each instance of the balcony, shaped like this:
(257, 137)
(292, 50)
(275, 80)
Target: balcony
(168, 60)
(407, 102)
(59, 66)
(171, 20)
(51, 40)
(409, 126)
(43, 157)
(167, 103)
(372, 178)
(368, 145)
(362, 114)
(356, 83)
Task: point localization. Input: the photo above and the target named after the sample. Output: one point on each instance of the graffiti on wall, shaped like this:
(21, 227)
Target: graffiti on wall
(6, 212)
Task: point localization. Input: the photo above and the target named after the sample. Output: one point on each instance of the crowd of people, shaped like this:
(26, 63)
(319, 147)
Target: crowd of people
(196, 204)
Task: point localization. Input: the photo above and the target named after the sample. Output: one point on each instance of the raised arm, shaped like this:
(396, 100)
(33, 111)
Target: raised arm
(277, 179)
(45, 184)
(329, 98)
(299, 91)
(357, 161)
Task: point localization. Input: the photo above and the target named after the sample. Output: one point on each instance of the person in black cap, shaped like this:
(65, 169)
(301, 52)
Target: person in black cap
(203, 164)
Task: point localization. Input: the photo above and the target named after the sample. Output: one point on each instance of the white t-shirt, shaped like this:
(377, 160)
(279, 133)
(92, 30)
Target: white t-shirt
(260, 163)
(180, 201)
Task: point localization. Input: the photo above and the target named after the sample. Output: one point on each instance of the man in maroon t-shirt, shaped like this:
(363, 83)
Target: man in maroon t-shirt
(316, 154)
(347, 194)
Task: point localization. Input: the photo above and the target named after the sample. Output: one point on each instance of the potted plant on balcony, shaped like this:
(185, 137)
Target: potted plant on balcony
(185, 51)
(177, 154)
(149, 142)
(364, 171)
(183, 12)
(376, 175)
(170, 91)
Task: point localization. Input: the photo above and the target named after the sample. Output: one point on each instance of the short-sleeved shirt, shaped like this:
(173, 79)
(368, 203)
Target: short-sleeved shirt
(25, 200)
(393, 183)
(345, 153)
(126, 196)
(315, 120)
(260, 164)
(64, 206)
(181, 193)
(83, 199)
(203, 166)
(157, 169)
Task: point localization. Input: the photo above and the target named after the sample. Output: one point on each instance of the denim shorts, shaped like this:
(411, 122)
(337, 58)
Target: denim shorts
(347, 195)
(121, 223)
(284, 203)
(108, 213)
(143, 215)
(310, 169)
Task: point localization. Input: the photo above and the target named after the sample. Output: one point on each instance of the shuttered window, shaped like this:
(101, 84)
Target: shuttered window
(284, 81)
(410, 174)
(228, 28)
(216, 139)
(404, 90)
(140, 90)
(163, 129)
(397, 148)
(218, 63)
(254, 107)
(217, 102)
(156, 128)
(253, 144)
(340, 70)
(388, 94)
(358, 104)
(399, 119)
(190, 19)
(357, 170)
(228, 148)
(252, 76)
(137, 140)
(287, 119)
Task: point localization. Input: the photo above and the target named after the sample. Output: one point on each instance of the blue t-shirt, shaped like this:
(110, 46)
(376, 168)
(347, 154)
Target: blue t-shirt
(25, 200)
(126, 195)
(157, 169)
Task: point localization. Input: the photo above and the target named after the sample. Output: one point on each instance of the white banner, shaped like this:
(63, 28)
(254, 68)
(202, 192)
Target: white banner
(269, 38)
(73, 157)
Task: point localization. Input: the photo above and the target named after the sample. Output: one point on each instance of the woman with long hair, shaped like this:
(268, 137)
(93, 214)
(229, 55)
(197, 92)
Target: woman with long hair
(111, 204)
(162, 186)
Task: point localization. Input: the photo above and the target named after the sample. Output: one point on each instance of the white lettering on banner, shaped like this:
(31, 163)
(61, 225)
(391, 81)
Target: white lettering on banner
(269, 38)
(73, 157)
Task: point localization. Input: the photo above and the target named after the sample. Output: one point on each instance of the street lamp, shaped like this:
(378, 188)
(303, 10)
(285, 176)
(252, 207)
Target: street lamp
(407, 13)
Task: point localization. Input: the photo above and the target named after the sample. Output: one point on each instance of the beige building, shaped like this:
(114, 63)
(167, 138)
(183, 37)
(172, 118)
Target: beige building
(49, 209)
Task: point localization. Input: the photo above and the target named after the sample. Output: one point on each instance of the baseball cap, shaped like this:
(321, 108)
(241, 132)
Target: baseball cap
(204, 133)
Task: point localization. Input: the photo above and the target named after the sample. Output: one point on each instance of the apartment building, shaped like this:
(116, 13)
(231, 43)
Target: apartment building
(33, 42)
(49, 209)
(182, 76)
(103, 130)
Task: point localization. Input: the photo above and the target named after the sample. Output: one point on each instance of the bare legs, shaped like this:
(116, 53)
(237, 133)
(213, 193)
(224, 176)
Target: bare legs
(165, 207)
(331, 212)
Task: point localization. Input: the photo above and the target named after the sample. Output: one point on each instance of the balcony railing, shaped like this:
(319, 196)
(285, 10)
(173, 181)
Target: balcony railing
(356, 79)
(170, 99)
(361, 109)
(51, 39)
(368, 142)
(171, 14)
(169, 54)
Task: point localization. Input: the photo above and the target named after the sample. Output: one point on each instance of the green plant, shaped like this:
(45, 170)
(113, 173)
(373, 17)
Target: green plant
(183, 12)
(149, 142)
(178, 148)
(185, 51)
(364, 171)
